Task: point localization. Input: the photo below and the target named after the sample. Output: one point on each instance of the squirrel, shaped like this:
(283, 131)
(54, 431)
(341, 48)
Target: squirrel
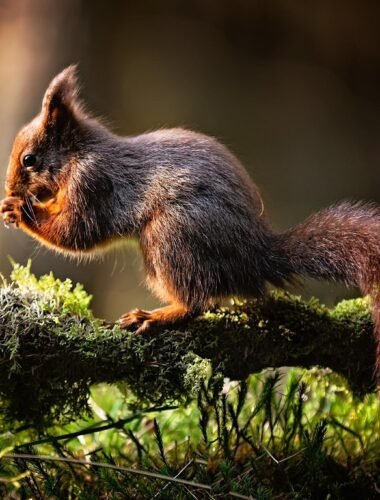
(199, 218)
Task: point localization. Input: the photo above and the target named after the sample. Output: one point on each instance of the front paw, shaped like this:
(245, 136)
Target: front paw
(11, 210)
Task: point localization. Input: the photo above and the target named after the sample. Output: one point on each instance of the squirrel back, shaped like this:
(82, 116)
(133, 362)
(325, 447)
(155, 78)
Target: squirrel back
(203, 233)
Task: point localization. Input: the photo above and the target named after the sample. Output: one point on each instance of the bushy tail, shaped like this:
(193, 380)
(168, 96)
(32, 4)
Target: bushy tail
(340, 243)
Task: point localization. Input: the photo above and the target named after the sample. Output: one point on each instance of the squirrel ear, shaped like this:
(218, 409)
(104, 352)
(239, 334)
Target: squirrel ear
(60, 99)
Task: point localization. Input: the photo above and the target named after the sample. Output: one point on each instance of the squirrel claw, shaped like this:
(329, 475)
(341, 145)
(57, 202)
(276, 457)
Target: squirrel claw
(165, 317)
(10, 208)
(137, 319)
(11, 218)
(147, 325)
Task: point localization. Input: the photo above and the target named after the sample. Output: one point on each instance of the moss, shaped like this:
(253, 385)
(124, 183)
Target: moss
(52, 348)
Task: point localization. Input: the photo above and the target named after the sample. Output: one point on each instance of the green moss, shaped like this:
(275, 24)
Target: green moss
(52, 348)
(51, 294)
(354, 309)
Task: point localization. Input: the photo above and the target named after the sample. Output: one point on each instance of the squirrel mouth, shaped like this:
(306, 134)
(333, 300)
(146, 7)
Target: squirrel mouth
(43, 195)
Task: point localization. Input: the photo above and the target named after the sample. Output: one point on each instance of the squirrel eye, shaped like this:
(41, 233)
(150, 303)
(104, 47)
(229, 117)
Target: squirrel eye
(29, 160)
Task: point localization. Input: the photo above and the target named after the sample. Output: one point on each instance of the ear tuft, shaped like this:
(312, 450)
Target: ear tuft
(61, 95)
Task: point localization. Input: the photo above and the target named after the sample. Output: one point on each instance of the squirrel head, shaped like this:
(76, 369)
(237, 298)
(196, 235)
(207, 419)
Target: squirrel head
(43, 152)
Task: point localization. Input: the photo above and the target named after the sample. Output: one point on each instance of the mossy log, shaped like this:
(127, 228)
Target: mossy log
(52, 348)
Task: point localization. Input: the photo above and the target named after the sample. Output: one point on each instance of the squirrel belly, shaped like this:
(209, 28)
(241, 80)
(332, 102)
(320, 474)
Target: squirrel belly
(199, 217)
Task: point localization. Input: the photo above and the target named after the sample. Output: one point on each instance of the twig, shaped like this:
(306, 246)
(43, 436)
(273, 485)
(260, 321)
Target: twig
(46, 458)
(92, 429)
(154, 475)
(176, 476)
(278, 462)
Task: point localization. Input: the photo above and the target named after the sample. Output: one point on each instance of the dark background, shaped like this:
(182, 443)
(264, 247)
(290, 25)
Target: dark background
(291, 87)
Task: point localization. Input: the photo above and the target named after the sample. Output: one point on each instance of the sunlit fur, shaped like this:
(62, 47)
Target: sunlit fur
(197, 214)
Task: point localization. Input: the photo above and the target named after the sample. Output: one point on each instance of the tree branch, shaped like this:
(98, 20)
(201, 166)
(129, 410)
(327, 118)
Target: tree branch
(52, 349)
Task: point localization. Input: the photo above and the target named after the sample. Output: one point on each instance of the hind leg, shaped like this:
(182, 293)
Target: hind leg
(163, 317)
(173, 263)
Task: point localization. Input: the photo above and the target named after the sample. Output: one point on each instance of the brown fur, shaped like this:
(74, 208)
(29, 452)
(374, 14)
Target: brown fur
(197, 214)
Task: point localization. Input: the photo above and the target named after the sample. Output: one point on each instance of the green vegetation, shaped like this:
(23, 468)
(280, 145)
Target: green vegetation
(289, 434)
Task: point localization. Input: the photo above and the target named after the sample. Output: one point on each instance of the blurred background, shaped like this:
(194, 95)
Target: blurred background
(292, 87)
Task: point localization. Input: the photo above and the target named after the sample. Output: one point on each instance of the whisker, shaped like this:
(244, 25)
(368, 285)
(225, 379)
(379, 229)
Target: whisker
(28, 202)
(36, 251)
(31, 215)
(27, 214)
(34, 197)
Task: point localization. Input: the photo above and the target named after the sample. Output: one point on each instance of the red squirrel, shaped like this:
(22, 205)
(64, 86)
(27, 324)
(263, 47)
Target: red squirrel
(77, 187)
